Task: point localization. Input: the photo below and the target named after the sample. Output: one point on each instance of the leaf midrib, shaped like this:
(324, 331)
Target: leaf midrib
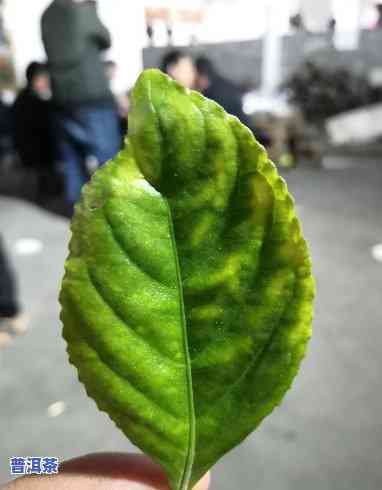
(186, 477)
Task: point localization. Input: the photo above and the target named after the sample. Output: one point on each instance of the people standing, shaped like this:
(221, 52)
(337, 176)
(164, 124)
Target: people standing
(218, 88)
(179, 66)
(12, 321)
(33, 131)
(87, 119)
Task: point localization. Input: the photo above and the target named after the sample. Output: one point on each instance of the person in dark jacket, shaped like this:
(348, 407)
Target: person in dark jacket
(33, 132)
(214, 86)
(88, 126)
(6, 129)
(9, 306)
(12, 321)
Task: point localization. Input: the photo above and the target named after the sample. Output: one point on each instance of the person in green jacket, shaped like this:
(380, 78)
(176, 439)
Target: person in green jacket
(87, 119)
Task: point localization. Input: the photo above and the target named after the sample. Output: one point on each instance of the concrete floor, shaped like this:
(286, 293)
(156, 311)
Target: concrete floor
(327, 435)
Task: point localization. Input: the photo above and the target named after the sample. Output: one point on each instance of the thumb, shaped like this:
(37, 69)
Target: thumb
(103, 471)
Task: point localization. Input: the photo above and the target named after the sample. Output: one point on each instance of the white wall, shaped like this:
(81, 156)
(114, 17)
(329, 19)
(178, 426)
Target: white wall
(124, 18)
(316, 13)
(348, 15)
(23, 27)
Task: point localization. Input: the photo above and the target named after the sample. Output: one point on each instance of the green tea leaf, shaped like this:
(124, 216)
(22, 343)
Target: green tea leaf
(187, 297)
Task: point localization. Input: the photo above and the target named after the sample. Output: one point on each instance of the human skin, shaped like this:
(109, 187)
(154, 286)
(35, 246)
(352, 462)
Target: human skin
(103, 471)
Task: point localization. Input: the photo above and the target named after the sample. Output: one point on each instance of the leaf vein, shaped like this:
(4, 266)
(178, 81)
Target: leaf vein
(154, 350)
(256, 359)
(127, 254)
(147, 398)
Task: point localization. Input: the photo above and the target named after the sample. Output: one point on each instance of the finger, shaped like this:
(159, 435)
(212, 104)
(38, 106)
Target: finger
(137, 469)
(204, 483)
(103, 471)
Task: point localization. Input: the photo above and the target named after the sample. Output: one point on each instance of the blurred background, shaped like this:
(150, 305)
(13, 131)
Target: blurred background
(306, 77)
